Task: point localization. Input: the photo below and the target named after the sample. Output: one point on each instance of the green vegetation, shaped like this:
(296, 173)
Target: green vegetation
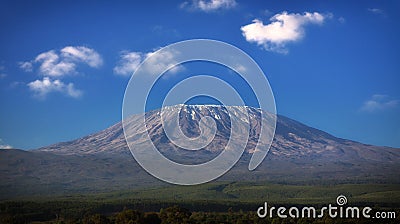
(254, 193)
(217, 202)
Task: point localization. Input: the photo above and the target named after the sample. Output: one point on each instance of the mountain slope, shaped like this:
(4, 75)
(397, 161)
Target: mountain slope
(28, 174)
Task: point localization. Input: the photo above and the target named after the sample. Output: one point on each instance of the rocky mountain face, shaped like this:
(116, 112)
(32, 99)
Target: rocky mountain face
(102, 161)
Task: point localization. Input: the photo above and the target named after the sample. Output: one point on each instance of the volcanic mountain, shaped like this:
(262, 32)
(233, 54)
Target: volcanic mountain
(293, 141)
(102, 160)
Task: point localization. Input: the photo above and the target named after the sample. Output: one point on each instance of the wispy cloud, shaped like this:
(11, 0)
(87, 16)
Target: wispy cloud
(208, 5)
(379, 102)
(64, 62)
(42, 88)
(283, 29)
(16, 84)
(240, 68)
(165, 31)
(376, 11)
(2, 73)
(26, 66)
(4, 146)
(130, 60)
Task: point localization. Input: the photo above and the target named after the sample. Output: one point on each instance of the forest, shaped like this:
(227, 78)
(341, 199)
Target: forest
(92, 214)
(217, 202)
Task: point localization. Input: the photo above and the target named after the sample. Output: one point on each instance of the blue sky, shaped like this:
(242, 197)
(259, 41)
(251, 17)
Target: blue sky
(64, 65)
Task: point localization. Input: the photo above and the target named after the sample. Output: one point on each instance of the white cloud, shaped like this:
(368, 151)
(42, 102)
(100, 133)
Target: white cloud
(45, 86)
(65, 62)
(379, 102)
(4, 146)
(341, 19)
(284, 28)
(83, 54)
(52, 65)
(130, 61)
(26, 66)
(209, 5)
(159, 61)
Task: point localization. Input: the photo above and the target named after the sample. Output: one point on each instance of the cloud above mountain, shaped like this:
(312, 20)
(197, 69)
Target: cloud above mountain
(379, 102)
(283, 28)
(208, 6)
(129, 61)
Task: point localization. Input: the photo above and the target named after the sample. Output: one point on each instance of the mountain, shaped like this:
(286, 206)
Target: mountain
(293, 140)
(102, 161)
